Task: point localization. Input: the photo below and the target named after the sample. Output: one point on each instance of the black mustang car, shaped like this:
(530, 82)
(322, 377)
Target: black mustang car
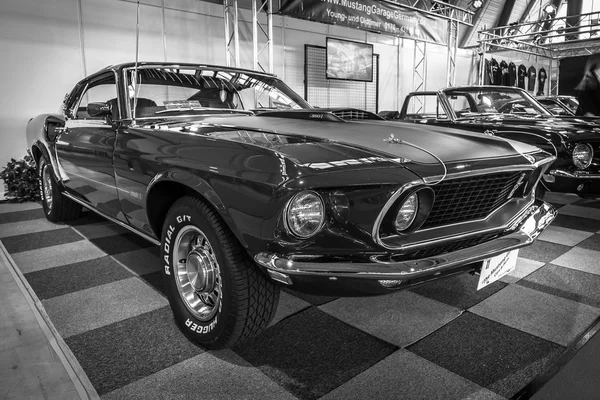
(512, 113)
(560, 105)
(246, 187)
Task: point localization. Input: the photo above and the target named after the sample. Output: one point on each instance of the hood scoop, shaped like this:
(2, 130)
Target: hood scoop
(325, 114)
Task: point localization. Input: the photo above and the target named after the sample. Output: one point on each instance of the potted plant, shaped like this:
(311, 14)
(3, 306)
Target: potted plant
(21, 180)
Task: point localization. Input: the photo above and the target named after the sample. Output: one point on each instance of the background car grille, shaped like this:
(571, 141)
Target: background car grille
(471, 198)
(352, 114)
(445, 248)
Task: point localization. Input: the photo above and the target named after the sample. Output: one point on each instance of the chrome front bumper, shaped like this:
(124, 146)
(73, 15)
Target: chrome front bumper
(283, 269)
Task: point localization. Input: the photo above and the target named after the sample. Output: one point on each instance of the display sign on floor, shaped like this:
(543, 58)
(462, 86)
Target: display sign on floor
(370, 15)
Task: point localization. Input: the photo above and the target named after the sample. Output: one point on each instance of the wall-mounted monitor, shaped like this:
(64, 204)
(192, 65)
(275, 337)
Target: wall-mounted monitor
(349, 60)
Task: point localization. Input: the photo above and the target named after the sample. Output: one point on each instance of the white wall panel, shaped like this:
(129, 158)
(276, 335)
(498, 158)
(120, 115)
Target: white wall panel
(194, 38)
(109, 30)
(39, 43)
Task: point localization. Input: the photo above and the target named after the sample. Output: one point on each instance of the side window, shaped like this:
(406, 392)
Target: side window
(104, 91)
(425, 107)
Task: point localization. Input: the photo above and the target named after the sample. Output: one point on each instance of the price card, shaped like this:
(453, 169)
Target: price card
(496, 267)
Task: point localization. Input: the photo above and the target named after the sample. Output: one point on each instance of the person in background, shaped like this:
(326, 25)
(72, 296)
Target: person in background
(588, 90)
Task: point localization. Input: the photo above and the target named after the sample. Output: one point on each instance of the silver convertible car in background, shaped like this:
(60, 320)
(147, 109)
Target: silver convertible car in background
(246, 188)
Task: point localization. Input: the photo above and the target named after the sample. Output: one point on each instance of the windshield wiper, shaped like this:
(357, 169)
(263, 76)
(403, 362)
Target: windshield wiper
(231, 110)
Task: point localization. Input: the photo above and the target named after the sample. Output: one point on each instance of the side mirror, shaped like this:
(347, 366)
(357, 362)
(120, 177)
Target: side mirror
(98, 109)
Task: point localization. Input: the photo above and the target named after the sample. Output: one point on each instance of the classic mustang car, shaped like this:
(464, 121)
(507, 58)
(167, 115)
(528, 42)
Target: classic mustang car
(512, 113)
(246, 187)
(560, 105)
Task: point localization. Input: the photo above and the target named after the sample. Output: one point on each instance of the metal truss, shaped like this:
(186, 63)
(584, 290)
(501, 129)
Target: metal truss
(552, 38)
(262, 37)
(455, 16)
(440, 9)
(452, 46)
(232, 33)
(420, 73)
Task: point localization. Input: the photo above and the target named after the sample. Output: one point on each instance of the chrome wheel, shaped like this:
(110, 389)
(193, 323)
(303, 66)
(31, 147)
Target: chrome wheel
(197, 273)
(47, 186)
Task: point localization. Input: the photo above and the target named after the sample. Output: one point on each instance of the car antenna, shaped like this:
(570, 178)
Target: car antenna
(137, 52)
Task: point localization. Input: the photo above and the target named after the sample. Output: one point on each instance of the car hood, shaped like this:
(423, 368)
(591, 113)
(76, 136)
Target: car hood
(420, 143)
(568, 128)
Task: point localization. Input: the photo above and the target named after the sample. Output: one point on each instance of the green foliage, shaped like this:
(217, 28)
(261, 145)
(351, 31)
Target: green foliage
(21, 181)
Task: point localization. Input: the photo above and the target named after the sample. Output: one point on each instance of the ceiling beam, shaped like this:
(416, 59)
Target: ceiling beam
(507, 10)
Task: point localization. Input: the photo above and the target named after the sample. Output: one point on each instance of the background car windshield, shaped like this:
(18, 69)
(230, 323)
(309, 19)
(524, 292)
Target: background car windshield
(493, 101)
(167, 90)
(570, 102)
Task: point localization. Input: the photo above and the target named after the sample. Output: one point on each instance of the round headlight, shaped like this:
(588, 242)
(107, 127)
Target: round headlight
(305, 214)
(582, 155)
(407, 213)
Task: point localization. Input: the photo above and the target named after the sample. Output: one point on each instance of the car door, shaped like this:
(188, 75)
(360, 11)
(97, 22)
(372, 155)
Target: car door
(86, 145)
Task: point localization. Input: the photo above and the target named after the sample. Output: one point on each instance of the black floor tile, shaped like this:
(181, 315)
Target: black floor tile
(488, 353)
(543, 251)
(556, 205)
(73, 277)
(567, 283)
(118, 354)
(38, 240)
(578, 223)
(121, 243)
(87, 217)
(591, 243)
(312, 353)
(155, 279)
(459, 291)
(19, 216)
(310, 298)
(588, 203)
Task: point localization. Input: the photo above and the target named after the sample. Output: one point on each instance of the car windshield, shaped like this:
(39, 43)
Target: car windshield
(571, 102)
(472, 101)
(159, 91)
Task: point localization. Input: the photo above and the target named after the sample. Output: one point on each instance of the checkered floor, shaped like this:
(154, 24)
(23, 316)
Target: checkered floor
(102, 290)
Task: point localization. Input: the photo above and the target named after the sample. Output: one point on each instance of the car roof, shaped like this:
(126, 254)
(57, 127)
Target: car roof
(119, 67)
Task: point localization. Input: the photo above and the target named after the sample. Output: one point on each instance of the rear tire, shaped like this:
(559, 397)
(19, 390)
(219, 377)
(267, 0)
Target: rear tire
(56, 206)
(218, 296)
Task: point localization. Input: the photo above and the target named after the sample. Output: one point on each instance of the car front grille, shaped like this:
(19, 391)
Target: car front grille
(471, 198)
(444, 248)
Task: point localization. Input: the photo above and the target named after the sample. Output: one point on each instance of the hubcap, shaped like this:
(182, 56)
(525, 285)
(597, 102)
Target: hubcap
(197, 273)
(47, 186)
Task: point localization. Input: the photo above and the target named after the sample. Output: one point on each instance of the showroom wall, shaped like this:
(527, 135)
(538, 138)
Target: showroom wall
(49, 45)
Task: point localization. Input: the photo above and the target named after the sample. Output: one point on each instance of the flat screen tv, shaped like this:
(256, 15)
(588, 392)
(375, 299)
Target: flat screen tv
(349, 60)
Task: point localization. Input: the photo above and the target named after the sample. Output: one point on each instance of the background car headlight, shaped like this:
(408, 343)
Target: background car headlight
(583, 155)
(305, 214)
(407, 213)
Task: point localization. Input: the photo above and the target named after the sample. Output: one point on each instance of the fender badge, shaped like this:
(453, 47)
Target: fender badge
(489, 132)
(392, 139)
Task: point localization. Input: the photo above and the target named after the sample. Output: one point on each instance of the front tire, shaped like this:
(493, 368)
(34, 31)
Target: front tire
(218, 296)
(56, 206)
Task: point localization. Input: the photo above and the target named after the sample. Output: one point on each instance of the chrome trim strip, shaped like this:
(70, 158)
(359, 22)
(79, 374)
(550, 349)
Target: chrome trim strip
(456, 175)
(529, 230)
(116, 221)
(574, 175)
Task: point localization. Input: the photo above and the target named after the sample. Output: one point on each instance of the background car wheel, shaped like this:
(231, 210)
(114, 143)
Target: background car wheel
(56, 207)
(218, 296)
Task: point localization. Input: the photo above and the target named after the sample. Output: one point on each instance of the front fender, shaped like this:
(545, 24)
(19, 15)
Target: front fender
(198, 186)
(36, 134)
